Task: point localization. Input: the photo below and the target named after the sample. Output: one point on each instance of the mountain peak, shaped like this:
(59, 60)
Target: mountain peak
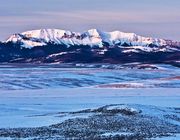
(94, 32)
(46, 33)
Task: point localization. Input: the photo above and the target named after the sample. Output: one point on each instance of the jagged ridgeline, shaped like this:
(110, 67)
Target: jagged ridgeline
(93, 46)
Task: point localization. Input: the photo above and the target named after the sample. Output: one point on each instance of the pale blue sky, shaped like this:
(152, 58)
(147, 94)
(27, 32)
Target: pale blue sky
(156, 18)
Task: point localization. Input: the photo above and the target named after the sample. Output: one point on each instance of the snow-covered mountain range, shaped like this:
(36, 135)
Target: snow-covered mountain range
(91, 37)
(92, 46)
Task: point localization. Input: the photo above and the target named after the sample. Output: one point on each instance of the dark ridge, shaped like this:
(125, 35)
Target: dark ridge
(14, 53)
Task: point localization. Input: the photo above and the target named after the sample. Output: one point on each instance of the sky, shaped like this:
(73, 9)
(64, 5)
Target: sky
(155, 18)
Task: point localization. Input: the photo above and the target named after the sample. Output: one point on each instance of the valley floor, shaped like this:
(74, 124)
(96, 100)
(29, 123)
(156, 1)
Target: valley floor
(89, 101)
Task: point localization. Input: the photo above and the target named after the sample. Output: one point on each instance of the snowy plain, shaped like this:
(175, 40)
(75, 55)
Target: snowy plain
(33, 96)
(29, 108)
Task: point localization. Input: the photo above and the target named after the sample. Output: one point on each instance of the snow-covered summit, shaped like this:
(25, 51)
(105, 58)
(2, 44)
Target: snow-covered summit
(91, 37)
